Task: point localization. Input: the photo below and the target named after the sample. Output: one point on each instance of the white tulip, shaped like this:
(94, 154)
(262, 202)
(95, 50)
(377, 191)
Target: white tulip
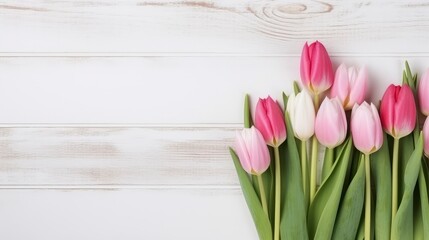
(302, 114)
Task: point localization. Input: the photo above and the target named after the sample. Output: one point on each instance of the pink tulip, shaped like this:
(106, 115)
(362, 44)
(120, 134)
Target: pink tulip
(252, 151)
(350, 86)
(331, 123)
(270, 121)
(423, 90)
(426, 136)
(316, 68)
(398, 111)
(366, 128)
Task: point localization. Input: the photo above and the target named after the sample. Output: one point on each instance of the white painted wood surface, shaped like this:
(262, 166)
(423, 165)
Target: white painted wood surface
(115, 116)
(158, 90)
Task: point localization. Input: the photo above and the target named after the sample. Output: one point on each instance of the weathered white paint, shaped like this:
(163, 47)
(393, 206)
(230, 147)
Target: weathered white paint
(158, 90)
(213, 26)
(117, 156)
(138, 101)
(131, 214)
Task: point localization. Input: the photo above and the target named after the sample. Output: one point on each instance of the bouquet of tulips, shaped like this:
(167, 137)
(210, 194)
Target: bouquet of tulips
(373, 181)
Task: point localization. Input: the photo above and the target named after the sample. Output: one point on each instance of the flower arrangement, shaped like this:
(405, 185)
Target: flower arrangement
(374, 181)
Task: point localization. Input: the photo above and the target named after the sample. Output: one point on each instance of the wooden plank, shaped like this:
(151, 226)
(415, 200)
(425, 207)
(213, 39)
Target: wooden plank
(212, 26)
(158, 90)
(116, 156)
(124, 214)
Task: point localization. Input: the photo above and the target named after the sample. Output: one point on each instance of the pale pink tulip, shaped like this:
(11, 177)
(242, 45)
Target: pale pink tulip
(423, 91)
(350, 86)
(252, 151)
(316, 68)
(331, 123)
(366, 128)
(426, 136)
(270, 121)
(398, 111)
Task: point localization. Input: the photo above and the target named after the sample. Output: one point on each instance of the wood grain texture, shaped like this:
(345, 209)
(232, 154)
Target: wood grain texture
(213, 26)
(131, 214)
(159, 90)
(99, 156)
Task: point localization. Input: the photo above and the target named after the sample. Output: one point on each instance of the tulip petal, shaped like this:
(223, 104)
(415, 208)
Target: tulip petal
(426, 136)
(405, 112)
(321, 69)
(262, 122)
(240, 148)
(305, 66)
(340, 87)
(358, 88)
(331, 125)
(259, 152)
(387, 108)
(378, 131)
(276, 121)
(303, 115)
(423, 92)
(364, 128)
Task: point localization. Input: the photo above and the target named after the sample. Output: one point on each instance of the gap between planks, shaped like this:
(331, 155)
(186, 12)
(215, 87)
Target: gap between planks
(199, 54)
(125, 186)
(120, 125)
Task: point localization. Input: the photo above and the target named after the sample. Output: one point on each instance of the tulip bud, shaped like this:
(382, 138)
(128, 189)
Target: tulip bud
(426, 136)
(316, 68)
(252, 151)
(349, 86)
(398, 111)
(366, 128)
(331, 123)
(270, 121)
(302, 114)
(423, 91)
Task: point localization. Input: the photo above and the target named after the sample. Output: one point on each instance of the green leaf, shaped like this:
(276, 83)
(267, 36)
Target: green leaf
(382, 178)
(328, 162)
(263, 225)
(424, 201)
(296, 88)
(247, 113)
(293, 223)
(361, 231)
(347, 223)
(404, 78)
(285, 98)
(418, 218)
(323, 210)
(426, 172)
(406, 147)
(402, 227)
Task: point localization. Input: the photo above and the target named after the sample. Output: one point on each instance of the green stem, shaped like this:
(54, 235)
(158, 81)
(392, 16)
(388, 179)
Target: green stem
(277, 195)
(313, 170)
(304, 168)
(395, 178)
(367, 198)
(313, 177)
(327, 163)
(263, 196)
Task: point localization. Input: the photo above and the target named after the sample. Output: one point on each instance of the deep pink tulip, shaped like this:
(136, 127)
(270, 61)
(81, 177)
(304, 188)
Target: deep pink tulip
(270, 121)
(426, 136)
(423, 91)
(252, 151)
(331, 123)
(366, 128)
(350, 86)
(316, 68)
(398, 111)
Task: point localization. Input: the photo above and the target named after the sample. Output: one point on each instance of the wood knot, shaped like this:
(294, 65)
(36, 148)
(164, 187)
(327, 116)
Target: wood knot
(293, 8)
